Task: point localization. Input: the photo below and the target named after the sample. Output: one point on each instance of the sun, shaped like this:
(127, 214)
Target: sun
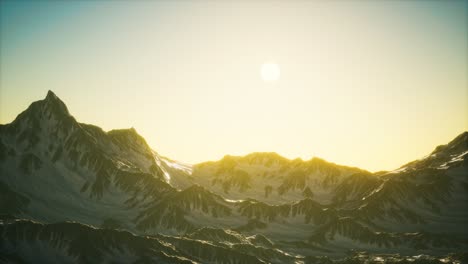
(270, 72)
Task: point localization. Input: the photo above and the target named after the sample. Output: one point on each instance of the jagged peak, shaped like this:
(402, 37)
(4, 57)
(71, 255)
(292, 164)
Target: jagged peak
(50, 105)
(441, 153)
(128, 133)
(51, 95)
(256, 157)
(265, 155)
(124, 131)
(459, 142)
(54, 104)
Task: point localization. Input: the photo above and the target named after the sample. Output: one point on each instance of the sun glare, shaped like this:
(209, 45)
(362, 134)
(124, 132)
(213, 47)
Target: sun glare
(270, 72)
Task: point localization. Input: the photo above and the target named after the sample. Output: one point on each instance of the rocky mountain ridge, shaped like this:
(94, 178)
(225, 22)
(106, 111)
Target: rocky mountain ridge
(260, 208)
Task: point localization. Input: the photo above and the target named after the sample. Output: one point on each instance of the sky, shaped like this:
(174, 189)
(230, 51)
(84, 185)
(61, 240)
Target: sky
(372, 84)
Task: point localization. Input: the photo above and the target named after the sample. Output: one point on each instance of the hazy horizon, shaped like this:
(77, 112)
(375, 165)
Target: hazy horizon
(356, 86)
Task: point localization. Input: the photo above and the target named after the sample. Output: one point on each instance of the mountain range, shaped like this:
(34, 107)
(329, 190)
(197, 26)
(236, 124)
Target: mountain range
(73, 193)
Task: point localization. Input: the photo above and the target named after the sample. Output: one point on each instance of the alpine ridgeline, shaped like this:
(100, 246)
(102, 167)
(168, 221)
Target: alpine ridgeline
(73, 193)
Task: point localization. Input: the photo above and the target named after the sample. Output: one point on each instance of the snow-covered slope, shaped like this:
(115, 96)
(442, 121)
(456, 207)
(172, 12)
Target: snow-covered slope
(59, 169)
(260, 208)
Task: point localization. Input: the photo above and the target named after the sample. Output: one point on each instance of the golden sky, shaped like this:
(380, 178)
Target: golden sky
(362, 83)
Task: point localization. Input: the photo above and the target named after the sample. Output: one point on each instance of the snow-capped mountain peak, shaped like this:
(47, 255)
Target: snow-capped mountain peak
(258, 208)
